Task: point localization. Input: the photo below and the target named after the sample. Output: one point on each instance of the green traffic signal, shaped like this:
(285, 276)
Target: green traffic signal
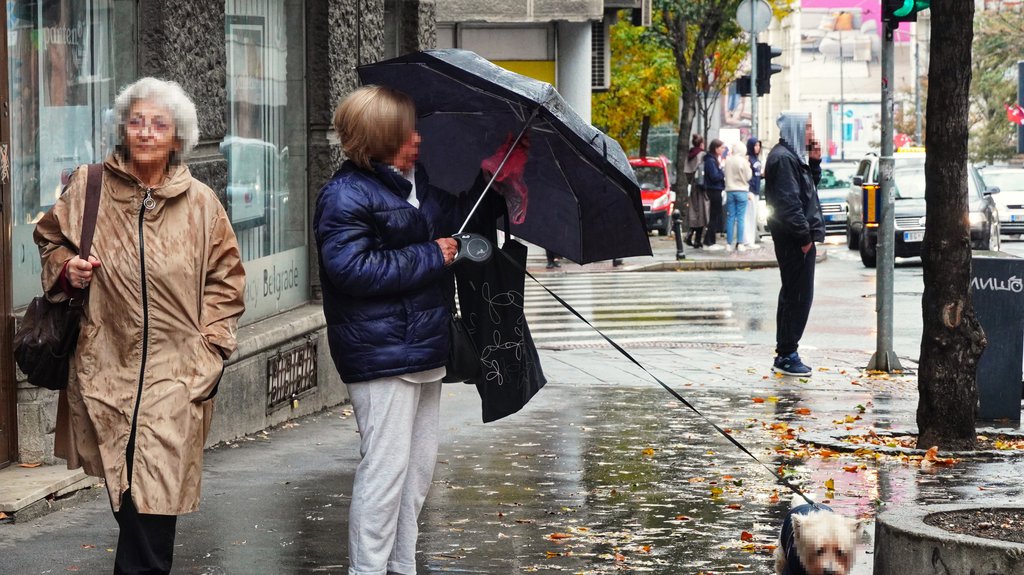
(911, 6)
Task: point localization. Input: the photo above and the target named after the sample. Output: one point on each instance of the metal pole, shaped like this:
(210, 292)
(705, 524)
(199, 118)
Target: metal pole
(917, 85)
(842, 102)
(753, 73)
(885, 358)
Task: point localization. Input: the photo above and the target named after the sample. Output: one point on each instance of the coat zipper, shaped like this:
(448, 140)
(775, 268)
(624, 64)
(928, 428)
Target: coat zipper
(147, 204)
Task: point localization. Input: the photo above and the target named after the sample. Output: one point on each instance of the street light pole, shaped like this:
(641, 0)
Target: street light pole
(842, 102)
(753, 76)
(885, 358)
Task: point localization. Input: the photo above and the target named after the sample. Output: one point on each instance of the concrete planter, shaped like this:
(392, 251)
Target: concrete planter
(905, 544)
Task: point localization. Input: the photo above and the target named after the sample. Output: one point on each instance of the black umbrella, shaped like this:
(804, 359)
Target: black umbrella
(582, 198)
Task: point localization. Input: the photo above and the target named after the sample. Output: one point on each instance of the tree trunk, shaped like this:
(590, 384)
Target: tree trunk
(683, 144)
(645, 129)
(952, 341)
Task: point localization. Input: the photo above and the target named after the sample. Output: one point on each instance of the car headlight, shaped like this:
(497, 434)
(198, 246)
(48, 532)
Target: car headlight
(661, 202)
(978, 218)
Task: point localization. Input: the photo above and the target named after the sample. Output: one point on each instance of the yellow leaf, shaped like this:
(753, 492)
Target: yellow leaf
(716, 491)
(830, 484)
(648, 452)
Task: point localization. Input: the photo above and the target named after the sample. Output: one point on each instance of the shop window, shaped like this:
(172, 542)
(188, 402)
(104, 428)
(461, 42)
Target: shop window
(66, 60)
(265, 150)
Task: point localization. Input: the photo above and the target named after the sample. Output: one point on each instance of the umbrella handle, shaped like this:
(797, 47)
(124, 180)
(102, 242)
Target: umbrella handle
(494, 176)
(472, 247)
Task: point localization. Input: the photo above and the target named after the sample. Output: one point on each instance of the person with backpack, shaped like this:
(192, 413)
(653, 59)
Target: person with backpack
(697, 206)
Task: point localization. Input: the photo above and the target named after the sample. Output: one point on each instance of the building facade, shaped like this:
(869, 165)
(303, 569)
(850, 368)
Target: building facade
(265, 76)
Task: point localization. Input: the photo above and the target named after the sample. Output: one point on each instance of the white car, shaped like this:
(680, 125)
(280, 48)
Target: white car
(1010, 198)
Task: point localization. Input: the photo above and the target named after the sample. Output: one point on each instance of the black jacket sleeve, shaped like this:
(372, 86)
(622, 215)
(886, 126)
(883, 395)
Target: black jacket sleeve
(787, 207)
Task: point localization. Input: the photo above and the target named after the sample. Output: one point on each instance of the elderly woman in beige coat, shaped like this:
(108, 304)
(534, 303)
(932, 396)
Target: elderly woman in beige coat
(165, 289)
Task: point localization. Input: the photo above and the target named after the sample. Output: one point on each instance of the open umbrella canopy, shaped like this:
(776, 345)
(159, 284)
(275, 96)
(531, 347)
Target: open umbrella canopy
(580, 195)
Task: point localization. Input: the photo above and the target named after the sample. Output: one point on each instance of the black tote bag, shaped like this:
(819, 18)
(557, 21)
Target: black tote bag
(491, 301)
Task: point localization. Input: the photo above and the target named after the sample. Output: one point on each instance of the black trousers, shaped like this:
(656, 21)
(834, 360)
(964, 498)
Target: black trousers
(145, 543)
(716, 217)
(796, 295)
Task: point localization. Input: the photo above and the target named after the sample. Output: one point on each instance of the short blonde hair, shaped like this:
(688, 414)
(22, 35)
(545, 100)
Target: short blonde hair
(166, 94)
(373, 123)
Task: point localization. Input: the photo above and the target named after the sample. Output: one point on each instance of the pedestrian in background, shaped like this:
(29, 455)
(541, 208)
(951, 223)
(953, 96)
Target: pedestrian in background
(697, 207)
(737, 186)
(552, 258)
(714, 184)
(165, 289)
(792, 172)
(754, 195)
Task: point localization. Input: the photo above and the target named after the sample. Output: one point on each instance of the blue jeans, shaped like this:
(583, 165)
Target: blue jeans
(735, 212)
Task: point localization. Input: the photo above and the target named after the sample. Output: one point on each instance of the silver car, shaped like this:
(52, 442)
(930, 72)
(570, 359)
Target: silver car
(1010, 198)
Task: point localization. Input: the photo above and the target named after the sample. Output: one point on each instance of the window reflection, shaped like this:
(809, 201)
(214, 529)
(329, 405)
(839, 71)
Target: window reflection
(66, 60)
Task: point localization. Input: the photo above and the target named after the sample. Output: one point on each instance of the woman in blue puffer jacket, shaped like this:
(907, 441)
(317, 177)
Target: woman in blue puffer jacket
(383, 237)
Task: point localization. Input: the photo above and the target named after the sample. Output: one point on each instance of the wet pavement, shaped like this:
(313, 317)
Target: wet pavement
(602, 472)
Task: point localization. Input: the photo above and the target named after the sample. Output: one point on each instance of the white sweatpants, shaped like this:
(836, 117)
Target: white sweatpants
(397, 423)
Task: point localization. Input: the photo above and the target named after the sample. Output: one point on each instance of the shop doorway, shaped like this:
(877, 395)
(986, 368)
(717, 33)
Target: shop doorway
(8, 395)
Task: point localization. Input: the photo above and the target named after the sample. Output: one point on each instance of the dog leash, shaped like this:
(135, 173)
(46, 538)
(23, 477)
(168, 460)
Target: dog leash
(779, 477)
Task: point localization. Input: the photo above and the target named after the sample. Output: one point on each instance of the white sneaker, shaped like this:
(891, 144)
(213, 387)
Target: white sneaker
(728, 247)
(714, 248)
(741, 247)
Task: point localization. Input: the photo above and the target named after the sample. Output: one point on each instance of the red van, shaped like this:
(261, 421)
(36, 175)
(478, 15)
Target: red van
(655, 192)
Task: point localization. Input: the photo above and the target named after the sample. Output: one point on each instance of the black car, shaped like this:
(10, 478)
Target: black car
(909, 207)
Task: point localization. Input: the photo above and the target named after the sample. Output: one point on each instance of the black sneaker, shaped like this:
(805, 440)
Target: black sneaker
(791, 365)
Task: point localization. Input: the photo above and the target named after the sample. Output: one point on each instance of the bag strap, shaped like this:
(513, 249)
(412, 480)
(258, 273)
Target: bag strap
(92, 208)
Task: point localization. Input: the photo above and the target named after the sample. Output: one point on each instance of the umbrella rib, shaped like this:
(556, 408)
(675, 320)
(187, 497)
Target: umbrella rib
(575, 196)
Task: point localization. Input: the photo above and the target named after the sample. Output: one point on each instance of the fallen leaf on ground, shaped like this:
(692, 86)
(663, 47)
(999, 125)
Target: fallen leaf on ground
(29, 465)
(830, 484)
(557, 536)
(758, 400)
(802, 411)
(746, 536)
(932, 455)
(648, 452)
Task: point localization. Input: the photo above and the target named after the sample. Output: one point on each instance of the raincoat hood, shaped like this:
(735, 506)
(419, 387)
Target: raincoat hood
(694, 151)
(793, 131)
(751, 142)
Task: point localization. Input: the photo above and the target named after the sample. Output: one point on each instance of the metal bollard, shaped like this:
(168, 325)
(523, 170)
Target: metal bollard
(677, 229)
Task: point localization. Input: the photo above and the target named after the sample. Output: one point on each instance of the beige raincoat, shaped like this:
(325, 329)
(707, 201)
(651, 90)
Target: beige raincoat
(161, 318)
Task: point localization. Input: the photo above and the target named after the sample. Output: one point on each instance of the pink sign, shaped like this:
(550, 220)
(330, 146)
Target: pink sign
(869, 10)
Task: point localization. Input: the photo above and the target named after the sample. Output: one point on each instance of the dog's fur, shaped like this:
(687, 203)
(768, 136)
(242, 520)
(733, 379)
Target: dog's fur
(816, 541)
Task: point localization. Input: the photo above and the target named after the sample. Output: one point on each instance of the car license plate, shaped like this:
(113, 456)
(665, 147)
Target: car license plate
(1017, 218)
(835, 217)
(917, 236)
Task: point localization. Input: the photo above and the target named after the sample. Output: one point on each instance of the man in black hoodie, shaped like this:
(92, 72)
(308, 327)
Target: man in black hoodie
(792, 172)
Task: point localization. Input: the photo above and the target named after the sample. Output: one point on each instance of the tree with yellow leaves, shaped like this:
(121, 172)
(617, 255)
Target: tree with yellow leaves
(644, 88)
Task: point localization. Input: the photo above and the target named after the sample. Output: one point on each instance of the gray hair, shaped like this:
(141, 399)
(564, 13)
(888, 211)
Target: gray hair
(163, 93)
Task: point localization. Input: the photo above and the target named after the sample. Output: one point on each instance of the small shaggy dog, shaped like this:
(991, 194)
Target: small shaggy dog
(816, 541)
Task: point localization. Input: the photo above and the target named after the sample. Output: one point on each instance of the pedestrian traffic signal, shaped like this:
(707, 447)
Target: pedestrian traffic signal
(896, 11)
(765, 68)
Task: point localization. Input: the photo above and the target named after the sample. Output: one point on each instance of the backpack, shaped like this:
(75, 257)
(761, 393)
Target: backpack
(698, 174)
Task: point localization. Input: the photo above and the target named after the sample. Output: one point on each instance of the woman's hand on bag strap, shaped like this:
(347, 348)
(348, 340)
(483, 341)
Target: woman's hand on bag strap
(79, 271)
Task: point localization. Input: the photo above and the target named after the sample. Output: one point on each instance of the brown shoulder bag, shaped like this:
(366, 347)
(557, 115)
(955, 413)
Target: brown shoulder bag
(48, 333)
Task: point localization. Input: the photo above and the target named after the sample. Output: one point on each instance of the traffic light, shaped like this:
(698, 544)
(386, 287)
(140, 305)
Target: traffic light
(896, 11)
(765, 68)
(743, 85)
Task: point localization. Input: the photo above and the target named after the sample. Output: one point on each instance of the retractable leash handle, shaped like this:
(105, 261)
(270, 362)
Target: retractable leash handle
(472, 248)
